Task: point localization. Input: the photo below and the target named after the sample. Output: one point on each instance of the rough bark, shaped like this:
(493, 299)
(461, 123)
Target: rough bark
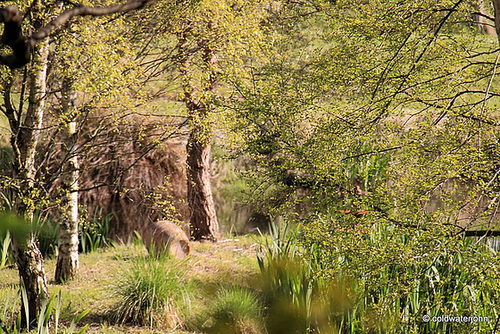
(496, 8)
(203, 218)
(32, 277)
(28, 258)
(67, 260)
(481, 22)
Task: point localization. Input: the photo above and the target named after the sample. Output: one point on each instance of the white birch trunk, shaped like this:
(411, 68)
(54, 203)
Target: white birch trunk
(67, 261)
(27, 255)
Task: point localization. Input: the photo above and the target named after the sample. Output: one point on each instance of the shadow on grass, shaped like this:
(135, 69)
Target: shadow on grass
(97, 318)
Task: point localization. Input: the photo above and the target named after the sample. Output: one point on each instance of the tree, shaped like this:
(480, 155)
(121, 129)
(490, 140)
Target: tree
(203, 221)
(384, 119)
(24, 138)
(330, 105)
(206, 44)
(25, 130)
(67, 260)
(92, 66)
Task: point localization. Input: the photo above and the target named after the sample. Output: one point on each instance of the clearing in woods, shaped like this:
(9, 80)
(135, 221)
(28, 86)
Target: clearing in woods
(210, 266)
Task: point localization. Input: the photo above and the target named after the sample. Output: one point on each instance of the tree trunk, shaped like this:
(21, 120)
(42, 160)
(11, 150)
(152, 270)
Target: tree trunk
(496, 7)
(32, 278)
(203, 221)
(67, 260)
(27, 255)
(203, 218)
(480, 21)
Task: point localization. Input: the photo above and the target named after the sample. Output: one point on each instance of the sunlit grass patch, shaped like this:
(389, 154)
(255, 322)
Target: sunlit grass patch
(200, 277)
(234, 310)
(148, 291)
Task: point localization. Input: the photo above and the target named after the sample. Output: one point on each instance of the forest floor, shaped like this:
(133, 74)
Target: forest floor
(210, 265)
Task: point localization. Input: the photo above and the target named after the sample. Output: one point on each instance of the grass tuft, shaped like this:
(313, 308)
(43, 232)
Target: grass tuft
(147, 292)
(236, 310)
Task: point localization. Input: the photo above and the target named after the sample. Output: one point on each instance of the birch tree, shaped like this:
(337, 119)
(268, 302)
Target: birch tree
(26, 126)
(24, 138)
(67, 260)
(93, 68)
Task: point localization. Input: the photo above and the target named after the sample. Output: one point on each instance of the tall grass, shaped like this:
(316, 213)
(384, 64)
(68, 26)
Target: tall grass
(48, 318)
(376, 280)
(296, 299)
(404, 275)
(95, 234)
(47, 234)
(4, 250)
(92, 236)
(286, 281)
(235, 310)
(148, 292)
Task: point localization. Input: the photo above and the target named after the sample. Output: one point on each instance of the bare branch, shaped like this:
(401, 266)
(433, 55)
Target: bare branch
(86, 11)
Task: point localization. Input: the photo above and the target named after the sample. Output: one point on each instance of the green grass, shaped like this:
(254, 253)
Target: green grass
(153, 285)
(234, 310)
(226, 288)
(232, 261)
